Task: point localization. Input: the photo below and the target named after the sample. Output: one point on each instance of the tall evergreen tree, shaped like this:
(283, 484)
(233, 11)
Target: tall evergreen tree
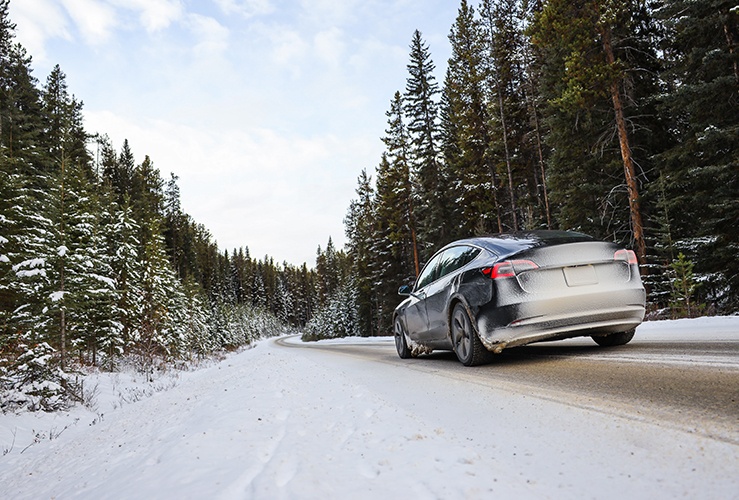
(396, 200)
(329, 272)
(360, 232)
(118, 173)
(91, 297)
(21, 125)
(126, 263)
(467, 136)
(700, 180)
(421, 111)
(391, 262)
(500, 63)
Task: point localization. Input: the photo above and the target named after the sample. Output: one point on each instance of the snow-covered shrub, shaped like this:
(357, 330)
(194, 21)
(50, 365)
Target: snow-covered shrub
(34, 381)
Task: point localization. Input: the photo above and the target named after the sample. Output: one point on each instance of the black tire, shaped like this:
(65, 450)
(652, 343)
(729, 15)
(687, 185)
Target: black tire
(401, 345)
(614, 339)
(466, 343)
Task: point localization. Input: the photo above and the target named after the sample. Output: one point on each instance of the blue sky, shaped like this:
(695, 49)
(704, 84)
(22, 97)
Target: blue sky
(267, 110)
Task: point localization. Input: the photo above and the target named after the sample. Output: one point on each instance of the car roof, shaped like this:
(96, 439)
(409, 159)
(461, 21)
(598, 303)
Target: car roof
(513, 242)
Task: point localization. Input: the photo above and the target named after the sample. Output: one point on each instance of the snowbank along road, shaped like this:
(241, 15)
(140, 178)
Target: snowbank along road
(657, 418)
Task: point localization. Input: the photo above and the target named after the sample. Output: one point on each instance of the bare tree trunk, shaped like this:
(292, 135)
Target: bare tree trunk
(629, 169)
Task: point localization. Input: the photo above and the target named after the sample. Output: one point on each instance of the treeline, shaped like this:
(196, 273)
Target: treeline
(616, 118)
(99, 262)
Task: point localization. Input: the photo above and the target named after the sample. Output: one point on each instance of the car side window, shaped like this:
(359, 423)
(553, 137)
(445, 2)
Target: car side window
(429, 273)
(456, 257)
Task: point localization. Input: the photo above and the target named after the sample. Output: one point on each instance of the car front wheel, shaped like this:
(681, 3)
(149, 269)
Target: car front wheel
(400, 343)
(614, 338)
(466, 343)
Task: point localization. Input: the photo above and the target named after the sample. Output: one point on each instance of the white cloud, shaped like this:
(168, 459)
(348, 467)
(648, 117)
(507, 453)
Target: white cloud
(330, 12)
(373, 53)
(329, 46)
(154, 15)
(289, 48)
(37, 21)
(212, 36)
(246, 8)
(94, 20)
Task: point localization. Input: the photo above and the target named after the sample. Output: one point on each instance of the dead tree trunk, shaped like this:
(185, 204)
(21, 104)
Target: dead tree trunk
(637, 225)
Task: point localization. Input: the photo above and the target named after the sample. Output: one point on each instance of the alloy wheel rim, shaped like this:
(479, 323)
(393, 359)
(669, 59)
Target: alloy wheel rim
(461, 330)
(398, 333)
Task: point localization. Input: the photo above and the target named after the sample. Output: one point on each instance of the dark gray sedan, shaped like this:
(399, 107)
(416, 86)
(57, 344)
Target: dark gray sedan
(480, 295)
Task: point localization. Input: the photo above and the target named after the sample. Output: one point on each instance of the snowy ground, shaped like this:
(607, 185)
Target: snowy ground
(279, 422)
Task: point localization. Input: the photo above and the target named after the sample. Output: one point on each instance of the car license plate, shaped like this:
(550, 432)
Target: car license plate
(580, 275)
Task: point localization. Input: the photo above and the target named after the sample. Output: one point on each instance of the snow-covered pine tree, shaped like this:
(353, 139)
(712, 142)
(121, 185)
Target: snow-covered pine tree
(198, 342)
(360, 227)
(123, 250)
(156, 335)
(90, 293)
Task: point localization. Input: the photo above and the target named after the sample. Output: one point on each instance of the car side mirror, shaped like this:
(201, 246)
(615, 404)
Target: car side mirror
(404, 290)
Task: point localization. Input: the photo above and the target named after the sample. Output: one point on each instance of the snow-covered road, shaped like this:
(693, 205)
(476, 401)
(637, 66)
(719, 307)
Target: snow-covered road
(279, 422)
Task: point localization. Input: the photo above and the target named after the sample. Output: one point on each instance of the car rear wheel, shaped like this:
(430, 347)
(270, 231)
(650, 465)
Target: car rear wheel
(466, 343)
(400, 343)
(614, 338)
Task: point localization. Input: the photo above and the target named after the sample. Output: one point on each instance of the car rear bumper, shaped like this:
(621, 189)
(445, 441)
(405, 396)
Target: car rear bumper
(563, 316)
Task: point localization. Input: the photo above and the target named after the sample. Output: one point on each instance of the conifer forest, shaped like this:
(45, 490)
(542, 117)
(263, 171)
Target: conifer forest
(619, 119)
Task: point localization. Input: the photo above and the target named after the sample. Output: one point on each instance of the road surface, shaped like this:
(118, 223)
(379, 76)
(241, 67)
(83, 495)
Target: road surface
(688, 384)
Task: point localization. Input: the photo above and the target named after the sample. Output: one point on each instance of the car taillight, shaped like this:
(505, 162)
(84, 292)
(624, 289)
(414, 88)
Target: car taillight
(508, 269)
(625, 255)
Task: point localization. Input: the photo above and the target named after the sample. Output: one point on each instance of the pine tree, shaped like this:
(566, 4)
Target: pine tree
(8, 193)
(20, 110)
(70, 208)
(398, 199)
(360, 233)
(421, 112)
(498, 28)
(124, 251)
(391, 261)
(684, 286)
(90, 297)
(118, 173)
(283, 299)
(593, 55)
(156, 335)
(329, 272)
(699, 170)
(467, 136)
(34, 282)
(7, 27)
